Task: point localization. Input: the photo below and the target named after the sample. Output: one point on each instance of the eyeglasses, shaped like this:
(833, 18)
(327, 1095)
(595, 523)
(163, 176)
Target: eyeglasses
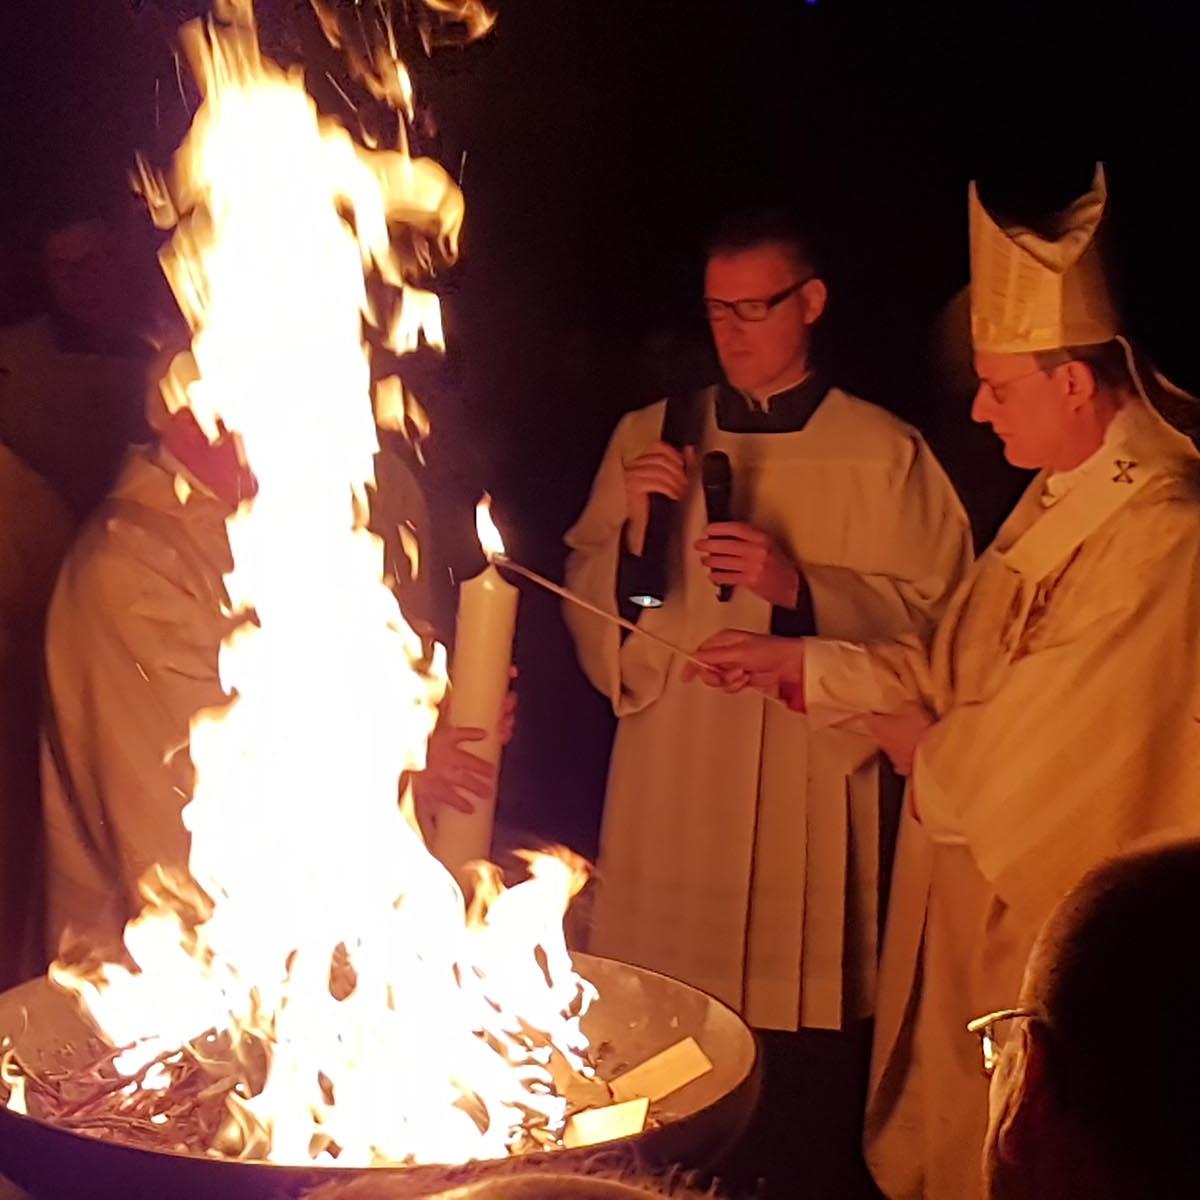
(998, 389)
(995, 1030)
(750, 310)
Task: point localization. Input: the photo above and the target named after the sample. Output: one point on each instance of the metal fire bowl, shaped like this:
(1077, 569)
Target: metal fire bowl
(638, 1014)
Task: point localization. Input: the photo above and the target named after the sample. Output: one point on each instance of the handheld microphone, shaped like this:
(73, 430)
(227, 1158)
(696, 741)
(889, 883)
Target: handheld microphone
(716, 476)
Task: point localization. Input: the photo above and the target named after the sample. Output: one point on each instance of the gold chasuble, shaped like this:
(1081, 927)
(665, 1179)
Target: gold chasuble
(1066, 686)
(739, 848)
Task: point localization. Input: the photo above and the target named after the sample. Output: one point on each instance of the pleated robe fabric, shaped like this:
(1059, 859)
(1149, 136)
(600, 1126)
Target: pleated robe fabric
(1065, 677)
(133, 634)
(739, 850)
(35, 530)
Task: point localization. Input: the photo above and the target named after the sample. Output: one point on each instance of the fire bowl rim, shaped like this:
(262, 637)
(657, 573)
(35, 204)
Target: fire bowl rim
(750, 1077)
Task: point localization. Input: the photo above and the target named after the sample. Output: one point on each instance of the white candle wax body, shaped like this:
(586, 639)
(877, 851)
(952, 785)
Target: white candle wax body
(479, 682)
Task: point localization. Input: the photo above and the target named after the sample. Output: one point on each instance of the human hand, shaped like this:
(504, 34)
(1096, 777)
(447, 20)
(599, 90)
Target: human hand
(739, 554)
(737, 659)
(451, 770)
(661, 470)
(900, 733)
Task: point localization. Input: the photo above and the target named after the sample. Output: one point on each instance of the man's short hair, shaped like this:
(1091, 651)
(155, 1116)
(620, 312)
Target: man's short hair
(1106, 361)
(765, 225)
(1121, 993)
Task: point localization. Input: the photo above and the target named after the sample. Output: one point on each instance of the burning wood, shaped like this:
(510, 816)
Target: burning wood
(189, 1112)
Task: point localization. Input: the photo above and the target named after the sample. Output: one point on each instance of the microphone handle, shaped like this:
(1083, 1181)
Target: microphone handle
(716, 509)
(649, 571)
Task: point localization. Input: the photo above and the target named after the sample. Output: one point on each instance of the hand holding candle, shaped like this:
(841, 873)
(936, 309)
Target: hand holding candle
(479, 680)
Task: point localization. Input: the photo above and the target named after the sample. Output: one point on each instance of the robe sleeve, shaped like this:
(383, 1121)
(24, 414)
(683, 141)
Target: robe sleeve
(131, 657)
(596, 543)
(925, 550)
(1092, 738)
(399, 509)
(928, 538)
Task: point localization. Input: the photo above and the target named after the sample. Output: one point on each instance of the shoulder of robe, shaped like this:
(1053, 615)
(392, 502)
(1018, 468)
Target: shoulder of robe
(397, 494)
(35, 531)
(139, 549)
(27, 495)
(868, 430)
(1161, 524)
(638, 429)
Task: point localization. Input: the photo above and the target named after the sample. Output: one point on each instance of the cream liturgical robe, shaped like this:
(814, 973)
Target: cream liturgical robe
(35, 529)
(1065, 680)
(740, 849)
(133, 634)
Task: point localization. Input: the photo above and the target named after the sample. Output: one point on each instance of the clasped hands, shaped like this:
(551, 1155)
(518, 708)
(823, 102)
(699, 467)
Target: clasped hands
(733, 552)
(735, 659)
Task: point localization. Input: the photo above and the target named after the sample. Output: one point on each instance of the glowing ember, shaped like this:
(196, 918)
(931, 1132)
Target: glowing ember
(326, 978)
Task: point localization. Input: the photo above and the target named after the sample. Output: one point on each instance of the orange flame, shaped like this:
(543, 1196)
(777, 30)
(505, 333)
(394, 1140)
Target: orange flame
(490, 540)
(302, 853)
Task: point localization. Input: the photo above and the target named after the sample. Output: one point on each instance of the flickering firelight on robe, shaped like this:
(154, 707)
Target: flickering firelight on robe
(479, 675)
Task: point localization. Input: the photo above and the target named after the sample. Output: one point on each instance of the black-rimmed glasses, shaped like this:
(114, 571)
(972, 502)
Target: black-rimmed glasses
(750, 310)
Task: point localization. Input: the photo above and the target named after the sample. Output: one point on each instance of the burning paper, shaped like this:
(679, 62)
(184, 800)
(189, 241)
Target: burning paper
(318, 970)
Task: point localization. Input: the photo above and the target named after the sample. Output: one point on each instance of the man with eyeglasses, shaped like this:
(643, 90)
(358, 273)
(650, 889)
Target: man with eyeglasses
(1055, 715)
(1093, 1092)
(739, 852)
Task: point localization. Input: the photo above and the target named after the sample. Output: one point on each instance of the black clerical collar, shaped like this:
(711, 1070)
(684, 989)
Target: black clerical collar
(786, 412)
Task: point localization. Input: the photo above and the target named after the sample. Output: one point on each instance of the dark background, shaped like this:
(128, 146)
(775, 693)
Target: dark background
(601, 139)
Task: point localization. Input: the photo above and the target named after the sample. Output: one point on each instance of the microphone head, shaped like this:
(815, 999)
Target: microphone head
(715, 471)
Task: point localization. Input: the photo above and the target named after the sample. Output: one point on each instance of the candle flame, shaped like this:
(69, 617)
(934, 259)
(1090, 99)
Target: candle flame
(490, 540)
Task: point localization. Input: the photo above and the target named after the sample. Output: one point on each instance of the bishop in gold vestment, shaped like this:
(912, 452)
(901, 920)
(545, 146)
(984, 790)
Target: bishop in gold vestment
(1059, 700)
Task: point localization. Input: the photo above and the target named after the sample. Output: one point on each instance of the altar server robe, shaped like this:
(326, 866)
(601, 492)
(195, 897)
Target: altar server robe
(739, 849)
(1065, 679)
(35, 528)
(134, 629)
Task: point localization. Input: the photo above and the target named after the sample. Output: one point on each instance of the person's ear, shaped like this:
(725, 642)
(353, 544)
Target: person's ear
(813, 297)
(1027, 1108)
(1078, 381)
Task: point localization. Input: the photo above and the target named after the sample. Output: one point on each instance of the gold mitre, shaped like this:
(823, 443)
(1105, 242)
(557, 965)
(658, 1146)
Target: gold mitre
(1040, 290)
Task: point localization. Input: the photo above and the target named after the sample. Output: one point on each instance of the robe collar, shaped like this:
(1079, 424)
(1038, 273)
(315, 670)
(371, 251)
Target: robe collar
(788, 411)
(1058, 484)
(1035, 540)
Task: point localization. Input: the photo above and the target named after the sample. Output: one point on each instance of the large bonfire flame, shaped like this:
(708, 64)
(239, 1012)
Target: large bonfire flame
(323, 971)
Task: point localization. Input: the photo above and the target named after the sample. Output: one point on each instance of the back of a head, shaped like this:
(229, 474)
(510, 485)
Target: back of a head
(517, 1179)
(1120, 987)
